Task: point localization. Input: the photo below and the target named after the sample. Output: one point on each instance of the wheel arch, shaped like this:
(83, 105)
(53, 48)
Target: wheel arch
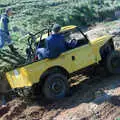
(106, 49)
(53, 70)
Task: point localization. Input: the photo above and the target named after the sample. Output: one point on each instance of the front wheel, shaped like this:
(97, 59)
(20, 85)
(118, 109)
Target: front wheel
(113, 62)
(55, 86)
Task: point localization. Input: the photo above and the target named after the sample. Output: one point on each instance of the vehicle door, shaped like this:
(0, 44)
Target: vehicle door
(82, 56)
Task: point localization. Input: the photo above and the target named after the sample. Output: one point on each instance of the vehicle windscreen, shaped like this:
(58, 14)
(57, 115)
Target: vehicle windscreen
(73, 34)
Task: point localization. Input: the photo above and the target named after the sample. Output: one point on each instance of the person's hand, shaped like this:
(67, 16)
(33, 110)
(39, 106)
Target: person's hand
(9, 37)
(15, 29)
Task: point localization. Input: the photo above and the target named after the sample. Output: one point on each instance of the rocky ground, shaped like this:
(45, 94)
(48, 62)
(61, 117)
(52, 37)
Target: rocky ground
(95, 95)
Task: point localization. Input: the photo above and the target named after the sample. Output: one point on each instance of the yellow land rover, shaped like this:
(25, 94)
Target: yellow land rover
(50, 76)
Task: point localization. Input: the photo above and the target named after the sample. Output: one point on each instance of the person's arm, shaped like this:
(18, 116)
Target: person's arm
(71, 44)
(48, 44)
(5, 22)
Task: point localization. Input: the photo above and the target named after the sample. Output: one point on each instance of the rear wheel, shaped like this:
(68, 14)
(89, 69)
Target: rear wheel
(55, 86)
(113, 62)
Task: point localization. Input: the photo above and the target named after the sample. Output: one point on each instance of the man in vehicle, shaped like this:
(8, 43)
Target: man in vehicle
(55, 44)
(4, 30)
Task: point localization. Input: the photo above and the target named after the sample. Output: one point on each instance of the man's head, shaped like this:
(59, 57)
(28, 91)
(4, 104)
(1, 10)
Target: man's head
(56, 28)
(8, 11)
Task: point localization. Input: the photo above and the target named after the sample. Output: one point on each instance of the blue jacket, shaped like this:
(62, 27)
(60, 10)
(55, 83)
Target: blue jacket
(4, 23)
(55, 45)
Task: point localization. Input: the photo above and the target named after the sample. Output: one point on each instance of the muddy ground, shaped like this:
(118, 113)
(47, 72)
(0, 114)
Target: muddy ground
(95, 95)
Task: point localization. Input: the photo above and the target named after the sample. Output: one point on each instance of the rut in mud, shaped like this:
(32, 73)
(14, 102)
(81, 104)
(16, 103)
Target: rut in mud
(97, 97)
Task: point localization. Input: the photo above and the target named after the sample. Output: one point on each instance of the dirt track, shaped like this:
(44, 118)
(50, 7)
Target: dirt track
(94, 96)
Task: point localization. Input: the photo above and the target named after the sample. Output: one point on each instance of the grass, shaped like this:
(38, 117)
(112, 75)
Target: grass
(33, 15)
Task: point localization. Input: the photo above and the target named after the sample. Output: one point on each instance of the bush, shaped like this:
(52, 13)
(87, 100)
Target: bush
(33, 15)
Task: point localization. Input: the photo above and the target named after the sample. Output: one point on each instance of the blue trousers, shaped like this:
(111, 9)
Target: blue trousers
(4, 39)
(42, 53)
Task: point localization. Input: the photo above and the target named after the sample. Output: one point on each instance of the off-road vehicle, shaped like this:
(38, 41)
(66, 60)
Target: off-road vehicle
(50, 76)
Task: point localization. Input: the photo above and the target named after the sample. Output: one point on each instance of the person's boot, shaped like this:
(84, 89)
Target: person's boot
(12, 48)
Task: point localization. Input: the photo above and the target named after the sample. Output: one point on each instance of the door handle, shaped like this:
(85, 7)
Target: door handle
(73, 58)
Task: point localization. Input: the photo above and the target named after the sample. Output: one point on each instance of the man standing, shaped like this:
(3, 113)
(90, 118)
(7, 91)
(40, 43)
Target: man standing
(4, 30)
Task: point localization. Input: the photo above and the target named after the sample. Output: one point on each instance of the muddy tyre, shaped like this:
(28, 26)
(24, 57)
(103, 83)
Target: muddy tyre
(55, 86)
(113, 62)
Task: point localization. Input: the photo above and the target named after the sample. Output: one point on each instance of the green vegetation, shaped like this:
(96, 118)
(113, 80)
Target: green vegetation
(33, 15)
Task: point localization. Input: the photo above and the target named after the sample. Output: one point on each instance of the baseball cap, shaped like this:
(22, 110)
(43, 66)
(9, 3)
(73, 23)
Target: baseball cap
(56, 28)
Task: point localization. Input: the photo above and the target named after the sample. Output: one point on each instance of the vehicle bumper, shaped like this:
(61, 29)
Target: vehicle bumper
(23, 92)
